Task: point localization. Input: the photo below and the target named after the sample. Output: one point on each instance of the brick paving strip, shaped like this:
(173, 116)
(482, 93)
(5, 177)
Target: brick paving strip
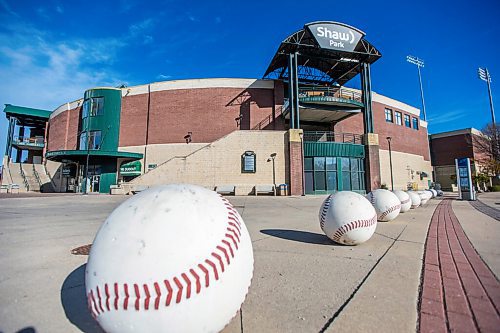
(459, 292)
(485, 209)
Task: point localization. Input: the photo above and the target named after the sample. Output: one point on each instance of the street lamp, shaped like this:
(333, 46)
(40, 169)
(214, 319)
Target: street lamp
(273, 156)
(419, 63)
(390, 161)
(484, 75)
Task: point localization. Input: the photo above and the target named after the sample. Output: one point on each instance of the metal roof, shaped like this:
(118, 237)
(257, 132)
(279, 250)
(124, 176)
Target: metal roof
(80, 155)
(27, 116)
(317, 65)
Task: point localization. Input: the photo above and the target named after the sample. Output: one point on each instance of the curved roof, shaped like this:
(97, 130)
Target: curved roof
(319, 64)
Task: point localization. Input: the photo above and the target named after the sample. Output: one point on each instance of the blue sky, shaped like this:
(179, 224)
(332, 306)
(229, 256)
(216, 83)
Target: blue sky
(51, 51)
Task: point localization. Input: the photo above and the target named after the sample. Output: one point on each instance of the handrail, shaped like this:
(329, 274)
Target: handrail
(337, 92)
(24, 177)
(36, 141)
(328, 136)
(37, 176)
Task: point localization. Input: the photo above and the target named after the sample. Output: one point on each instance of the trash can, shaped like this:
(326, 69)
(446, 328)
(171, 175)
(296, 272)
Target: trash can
(283, 189)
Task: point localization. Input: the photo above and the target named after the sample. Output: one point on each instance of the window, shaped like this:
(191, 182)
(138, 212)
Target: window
(407, 121)
(397, 116)
(388, 115)
(415, 123)
(94, 140)
(93, 106)
(97, 106)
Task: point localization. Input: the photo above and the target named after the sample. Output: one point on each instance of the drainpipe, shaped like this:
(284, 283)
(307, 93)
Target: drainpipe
(147, 129)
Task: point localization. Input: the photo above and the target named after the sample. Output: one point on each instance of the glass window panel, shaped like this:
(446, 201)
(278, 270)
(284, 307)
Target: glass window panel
(345, 164)
(397, 116)
(331, 181)
(388, 115)
(361, 180)
(83, 141)
(331, 163)
(309, 180)
(346, 181)
(319, 181)
(308, 163)
(355, 181)
(354, 164)
(407, 121)
(86, 108)
(415, 123)
(319, 163)
(95, 140)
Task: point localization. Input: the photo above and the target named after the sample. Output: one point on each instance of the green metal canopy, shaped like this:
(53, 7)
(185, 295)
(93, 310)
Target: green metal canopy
(131, 168)
(81, 155)
(27, 116)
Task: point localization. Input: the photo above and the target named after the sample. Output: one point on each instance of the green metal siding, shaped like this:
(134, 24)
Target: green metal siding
(333, 149)
(109, 122)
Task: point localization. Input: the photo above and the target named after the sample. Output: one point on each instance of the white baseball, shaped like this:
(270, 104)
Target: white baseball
(405, 200)
(347, 218)
(386, 204)
(434, 192)
(415, 199)
(424, 197)
(173, 258)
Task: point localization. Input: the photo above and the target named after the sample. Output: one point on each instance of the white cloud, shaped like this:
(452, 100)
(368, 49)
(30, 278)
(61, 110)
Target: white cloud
(7, 8)
(163, 77)
(148, 40)
(59, 9)
(40, 72)
(447, 117)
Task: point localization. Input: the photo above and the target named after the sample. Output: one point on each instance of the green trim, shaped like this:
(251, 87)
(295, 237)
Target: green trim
(23, 111)
(333, 149)
(78, 153)
(329, 99)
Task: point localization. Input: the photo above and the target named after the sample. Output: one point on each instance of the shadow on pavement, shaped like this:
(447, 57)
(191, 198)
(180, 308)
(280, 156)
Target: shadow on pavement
(300, 236)
(74, 301)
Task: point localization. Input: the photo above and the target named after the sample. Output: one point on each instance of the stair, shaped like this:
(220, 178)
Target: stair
(29, 175)
(46, 182)
(17, 177)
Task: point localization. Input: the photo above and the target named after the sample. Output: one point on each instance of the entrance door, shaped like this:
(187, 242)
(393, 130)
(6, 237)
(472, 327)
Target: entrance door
(94, 183)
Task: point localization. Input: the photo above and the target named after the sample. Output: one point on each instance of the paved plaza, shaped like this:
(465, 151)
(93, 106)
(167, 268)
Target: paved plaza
(302, 281)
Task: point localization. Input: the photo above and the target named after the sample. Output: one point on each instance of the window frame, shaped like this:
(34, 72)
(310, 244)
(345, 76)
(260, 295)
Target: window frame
(390, 113)
(398, 117)
(414, 123)
(407, 120)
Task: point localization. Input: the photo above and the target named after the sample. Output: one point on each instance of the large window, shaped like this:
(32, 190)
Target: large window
(388, 115)
(407, 121)
(329, 174)
(94, 140)
(397, 117)
(415, 123)
(93, 106)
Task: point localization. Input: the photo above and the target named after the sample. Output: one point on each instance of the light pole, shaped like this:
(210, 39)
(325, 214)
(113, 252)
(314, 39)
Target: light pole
(419, 63)
(390, 161)
(273, 156)
(484, 75)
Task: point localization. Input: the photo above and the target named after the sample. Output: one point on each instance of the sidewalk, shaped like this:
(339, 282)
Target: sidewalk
(459, 293)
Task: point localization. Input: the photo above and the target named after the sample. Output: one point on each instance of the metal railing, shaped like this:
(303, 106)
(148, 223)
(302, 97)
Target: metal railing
(37, 141)
(37, 176)
(324, 136)
(270, 119)
(336, 92)
(25, 181)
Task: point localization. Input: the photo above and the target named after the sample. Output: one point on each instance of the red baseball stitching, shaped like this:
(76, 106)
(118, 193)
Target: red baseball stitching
(389, 210)
(182, 286)
(405, 201)
(353, 225)
(326, 205)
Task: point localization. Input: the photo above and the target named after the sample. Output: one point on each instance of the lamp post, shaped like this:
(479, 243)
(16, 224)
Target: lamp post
(273, 156)
(484, 75)
(419, 63)
(390, 161)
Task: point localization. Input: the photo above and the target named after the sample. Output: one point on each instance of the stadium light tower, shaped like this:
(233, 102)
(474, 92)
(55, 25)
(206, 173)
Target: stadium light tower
(419, 63)
(485, 76)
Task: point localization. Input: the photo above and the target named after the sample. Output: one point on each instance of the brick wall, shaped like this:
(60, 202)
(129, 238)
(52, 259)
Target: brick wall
(63, 130)
(209, 113)
(446, 149)
(404, 139)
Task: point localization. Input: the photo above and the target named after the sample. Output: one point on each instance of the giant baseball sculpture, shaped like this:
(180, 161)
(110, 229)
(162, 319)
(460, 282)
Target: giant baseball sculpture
(347, 218)
(415, 199)
(405, 200)
(385, 203)
(174, 258)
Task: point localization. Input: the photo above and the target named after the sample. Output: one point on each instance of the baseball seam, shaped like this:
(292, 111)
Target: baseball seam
(389, 210)
(176, 289)
(353, 225)
(405, 201)
(324, 211)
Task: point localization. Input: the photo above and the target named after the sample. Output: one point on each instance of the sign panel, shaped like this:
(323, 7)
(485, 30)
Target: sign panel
(464, 179)
(131, 169)
(335, 36)
(248, 162)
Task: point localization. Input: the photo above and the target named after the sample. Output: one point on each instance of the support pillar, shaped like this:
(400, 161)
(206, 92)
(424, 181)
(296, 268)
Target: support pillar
(295, 162)
(366, 88)
(10, 134)
(19, 152)
(372, 161)
(291, 89)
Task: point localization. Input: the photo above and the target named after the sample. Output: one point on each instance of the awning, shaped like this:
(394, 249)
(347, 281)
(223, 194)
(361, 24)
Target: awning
(131, 168)
(80, 156)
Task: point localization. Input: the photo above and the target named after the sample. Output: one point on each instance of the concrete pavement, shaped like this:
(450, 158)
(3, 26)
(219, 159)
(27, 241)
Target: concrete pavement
(302, 281)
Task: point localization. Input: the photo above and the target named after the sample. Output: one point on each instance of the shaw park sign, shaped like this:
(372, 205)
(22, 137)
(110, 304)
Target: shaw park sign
(335, 36)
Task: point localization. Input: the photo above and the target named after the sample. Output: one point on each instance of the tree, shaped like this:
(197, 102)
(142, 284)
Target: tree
(487, 149)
